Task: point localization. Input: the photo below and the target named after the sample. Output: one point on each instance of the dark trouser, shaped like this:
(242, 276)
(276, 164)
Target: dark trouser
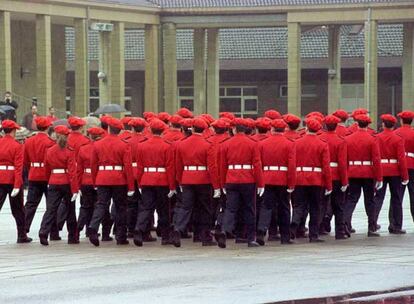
(88, 201)
(132, 211)
(16, 206)
(307, 198)
(410, 187)
(273, 227)
(297, 209)
(34, 196)
(196, 199)
(275, 197)
(154, 198)
(334, 206)
(352, 198)
(240, 197)
(119, 196)
(395, 213)
(59, 194)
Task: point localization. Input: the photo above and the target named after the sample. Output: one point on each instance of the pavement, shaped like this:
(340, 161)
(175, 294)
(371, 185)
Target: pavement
(62, 273)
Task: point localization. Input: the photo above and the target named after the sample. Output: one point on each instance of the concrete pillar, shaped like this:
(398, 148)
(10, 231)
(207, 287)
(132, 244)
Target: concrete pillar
(213, 72)
(80, 106)
(117, 77)
(199, 42)
(5, 53)
(371, 70)
(334, 72)
(43, 61)
(408, 67)
(58, 74)
(294, 69)
(151, 67)
(105, 67)
(170, 67)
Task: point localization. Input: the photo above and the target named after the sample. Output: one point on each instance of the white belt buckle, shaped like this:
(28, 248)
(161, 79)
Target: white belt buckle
(283, 168)
(317, 169)
(333, 164)
(307, 169)
(410, 154)
(88, 170)
(367, 163)
(393, 161)
(161, 170)
(134, 165)
(152, 169)
(238, 167)
(384, 161)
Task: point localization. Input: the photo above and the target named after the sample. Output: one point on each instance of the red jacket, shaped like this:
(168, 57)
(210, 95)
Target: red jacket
(278, 156)
(363, 147)
(407, 133)
(11, 162)
(392, 152)
(173, 135)
(126, 135)
(342, 130)
(216, 140)
(292, 134)
(62, 159)
(35, 148)
(77, 140)
(240, 150)
(107, 154)
(337, 155)
(155, 163)
(135, 140)
(312, 162)
(196, 162)
(260, 136)
(354, 127)
(83, 164)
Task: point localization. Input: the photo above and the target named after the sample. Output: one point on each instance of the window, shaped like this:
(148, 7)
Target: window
(352, 96)
(67, 99)
(308, 91)
(186, 97)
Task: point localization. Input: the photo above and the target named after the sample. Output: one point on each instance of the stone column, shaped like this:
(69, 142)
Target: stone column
(199, 39)
(5, 53)
(43, 61)
(294, 69)
(170, 67)
(334, 72)
(371, 70)
(408, 67)
(105, 67)
(81, 104)
(151, 67)
(117, 77)
(213, 72)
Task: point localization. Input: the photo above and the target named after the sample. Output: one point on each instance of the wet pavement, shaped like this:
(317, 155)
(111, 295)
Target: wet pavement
(357, 270)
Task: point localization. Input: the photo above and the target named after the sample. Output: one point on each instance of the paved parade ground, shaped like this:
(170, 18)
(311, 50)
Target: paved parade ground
(62, 273)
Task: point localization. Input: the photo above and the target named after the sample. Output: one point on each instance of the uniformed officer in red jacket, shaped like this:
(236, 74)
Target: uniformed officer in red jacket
(342, 129)
(127, 131)
(173, 133)
(364, 172)
(34, 154)
(278, 156)
(241, 178)
(156, 180)
(394, 172)
(11, 181)
(197, 174)
(313, 178)
(407, 133)
(60, 167)
(355, 127)
(334, 203)
(112, 174)
(272, 114)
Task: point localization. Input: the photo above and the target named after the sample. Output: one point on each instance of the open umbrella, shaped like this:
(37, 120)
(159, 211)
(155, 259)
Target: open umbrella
(110, 108)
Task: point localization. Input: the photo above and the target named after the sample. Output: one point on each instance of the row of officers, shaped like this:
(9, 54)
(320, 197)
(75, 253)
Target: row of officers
(220, 179)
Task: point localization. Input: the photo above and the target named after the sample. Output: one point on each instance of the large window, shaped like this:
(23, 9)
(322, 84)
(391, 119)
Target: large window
(186, 97)
(352, 96)
(308, 91)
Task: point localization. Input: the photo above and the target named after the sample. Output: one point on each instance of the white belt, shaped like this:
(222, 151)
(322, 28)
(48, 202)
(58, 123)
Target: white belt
(59, 171)
(240, 167)
(154, 169)
(275, 168)
(134, 165)
(7, 168)
(333, 164)
(309, 169)
(87, 170)
(389, 161)
(410, 154)
(111, 168)
(37, 165)
(360, 163)
(195, 168)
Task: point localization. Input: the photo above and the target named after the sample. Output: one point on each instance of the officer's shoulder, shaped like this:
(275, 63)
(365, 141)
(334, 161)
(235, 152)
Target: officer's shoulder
(253, 139)
(167, 141)
(322, 139)
(125, 141)
(70, 148)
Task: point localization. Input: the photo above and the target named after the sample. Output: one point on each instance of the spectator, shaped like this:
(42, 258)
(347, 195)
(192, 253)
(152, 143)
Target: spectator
(7, 100)
(28, 119)
(51, 115)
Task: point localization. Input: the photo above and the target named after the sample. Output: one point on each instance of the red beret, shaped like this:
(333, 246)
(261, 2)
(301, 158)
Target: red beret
(200, 123)
(388, 117)
(115, 123)
(175, 119)
(149, 115)
(126, 120)
(138, 122)
(359, 111)
(43, 122)
(406, 115)
(291, 119)
(263, 123)
(208, 118)
(332, 120)
(362, 118)
(313, 125)
(76, 121)
(157, 124)
(318, 118)
(341, 114)
(105, 118)
(96, 131)
(240, 122)
(9, 124)
(63, 130)
(227, 115)
(272, 114)
(279, 124)
(221, 123)
(164, 116)
(250, 123)
(185, 113)
(315, 114)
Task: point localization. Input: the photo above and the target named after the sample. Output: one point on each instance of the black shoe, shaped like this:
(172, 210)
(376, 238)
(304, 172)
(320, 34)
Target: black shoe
(43, 240)
(73, 241)
(221, 240)
(301, 234)
(253, 244)
(166, 242)
(396, 231)
(24, 239)
(289, 242)
(176, 238)
(93, 237)
(185, 235)
(377, 227)
(148, 238)
(241, 241)
(260, 238)
(353, 230)
(373, 234)
(316, 240)
(55, 237)
(341, 237)
(273, 238)
(122, 242)
(209, 243)
(107, 238)
(322, 231)
(138, 239)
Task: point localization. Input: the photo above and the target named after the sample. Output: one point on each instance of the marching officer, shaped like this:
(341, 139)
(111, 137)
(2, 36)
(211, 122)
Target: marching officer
(278, 156)
(313, 175)
(394, 172)
(127, 131)
(197, 174)
(35, 148)
(173, 133)
(339, 172)
(156, 181)
(60, 167)
(112, 174)
(241, 178)
(341, 128)
(11, 181)
(364, 172)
